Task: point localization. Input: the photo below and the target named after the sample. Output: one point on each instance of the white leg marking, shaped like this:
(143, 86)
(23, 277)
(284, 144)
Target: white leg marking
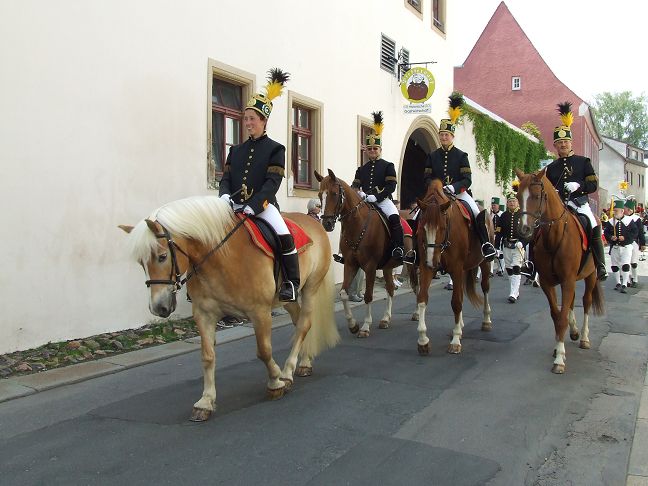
(560, 354)
(422, 330)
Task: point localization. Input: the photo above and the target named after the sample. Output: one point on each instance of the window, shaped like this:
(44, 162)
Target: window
(387, 54)
(228, 90)
(516, 83)
(438, 14)
(416, 4)
(305, 144)
(365, 131)
(227, 101)
(301, 147)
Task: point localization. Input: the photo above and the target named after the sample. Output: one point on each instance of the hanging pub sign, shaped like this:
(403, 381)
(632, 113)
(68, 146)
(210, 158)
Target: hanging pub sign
(417, 86)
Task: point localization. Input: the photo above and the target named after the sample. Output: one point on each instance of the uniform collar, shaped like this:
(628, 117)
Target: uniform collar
(265, 135)
(450, 147)
(571, 152)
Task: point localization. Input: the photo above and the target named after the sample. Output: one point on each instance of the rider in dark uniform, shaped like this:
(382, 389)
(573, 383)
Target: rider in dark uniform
(375, 182)
(451, 166)
(252, 176)
(574, 178)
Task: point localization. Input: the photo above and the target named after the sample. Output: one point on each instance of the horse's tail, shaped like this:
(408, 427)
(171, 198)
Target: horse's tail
(598, 302)
(323, 333)
(469, 283)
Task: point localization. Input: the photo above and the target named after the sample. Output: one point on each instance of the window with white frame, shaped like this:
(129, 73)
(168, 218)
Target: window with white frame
(516, 83)
(305, 154)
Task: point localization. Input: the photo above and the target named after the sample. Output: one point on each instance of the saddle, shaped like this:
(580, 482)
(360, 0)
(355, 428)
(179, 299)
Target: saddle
(584, 227)
(407, 231)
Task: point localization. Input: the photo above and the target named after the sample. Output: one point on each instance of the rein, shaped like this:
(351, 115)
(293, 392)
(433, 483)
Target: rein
(338, 215)
(177, 281)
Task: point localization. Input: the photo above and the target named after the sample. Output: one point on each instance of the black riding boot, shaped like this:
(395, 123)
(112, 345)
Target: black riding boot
(487, 248)
(289, 289)
(396, 237)
(528, 269)
(598, 253)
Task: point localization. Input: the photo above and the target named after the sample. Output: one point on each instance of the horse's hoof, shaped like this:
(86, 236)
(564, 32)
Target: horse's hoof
(200, 415)
(289, 384)
(558, 369)
(424, 349)
(585, 345)
(487, 326)
(363, 334)
(574, 336)
(454, 348)
(383, 325)
(304, 371)
(415, 316)
(354, 329)
(275, 394)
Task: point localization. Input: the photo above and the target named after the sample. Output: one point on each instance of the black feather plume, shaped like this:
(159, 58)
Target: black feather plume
(276, 75)
(377, 117)
(456, 100)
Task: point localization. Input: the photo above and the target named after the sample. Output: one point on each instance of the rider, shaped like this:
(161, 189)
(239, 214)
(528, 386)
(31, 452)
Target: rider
(639, 244)
(375, 182)
(451, 166)
(620, 232)
(253, 173)
(506, 235)
(574, 178)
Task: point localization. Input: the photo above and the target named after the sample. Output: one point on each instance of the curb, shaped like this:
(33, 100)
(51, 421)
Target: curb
(25, 385)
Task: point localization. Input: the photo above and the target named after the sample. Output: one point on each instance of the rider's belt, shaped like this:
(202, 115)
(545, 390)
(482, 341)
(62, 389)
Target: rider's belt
(510, 244)
(580, 200)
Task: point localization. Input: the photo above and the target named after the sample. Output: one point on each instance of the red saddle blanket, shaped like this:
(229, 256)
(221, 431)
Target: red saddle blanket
(407, 229)
(581, 230)
(302, 240)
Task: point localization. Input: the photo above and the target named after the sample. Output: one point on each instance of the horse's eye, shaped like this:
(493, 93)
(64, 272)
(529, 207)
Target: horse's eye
(162, 257)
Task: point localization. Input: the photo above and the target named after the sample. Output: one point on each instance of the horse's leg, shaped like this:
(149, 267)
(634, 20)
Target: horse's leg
(550, 292)
(573, 326)
(487, 324)
(302, 323)
(389, 286)
(568, 294)
(457, 306)
(370, 274)
(262, 320)
(349, 274)
(590, 283)
(204, 407)
(425, 279)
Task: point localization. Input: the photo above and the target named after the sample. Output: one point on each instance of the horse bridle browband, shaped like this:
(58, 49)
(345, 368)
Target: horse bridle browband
(175, 278)
(538, 214)
(446, 237)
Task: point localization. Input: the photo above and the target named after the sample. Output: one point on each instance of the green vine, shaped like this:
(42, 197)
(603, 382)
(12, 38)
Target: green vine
(510, 148)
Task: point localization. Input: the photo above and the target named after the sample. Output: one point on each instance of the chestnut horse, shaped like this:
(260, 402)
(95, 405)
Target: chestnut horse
(364, 242)
(557, 254)
(447, 242)
(226, 274)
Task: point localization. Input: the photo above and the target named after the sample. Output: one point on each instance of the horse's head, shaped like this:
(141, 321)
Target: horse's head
(334, 194)
(155, 250)
(532, 197)
(433, 219)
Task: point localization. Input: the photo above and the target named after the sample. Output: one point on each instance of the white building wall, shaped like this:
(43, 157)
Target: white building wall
(611, 171)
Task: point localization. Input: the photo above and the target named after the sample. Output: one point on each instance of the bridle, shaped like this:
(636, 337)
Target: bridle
(537, 216)
(446, 237)
(175, 278)
(339, 204)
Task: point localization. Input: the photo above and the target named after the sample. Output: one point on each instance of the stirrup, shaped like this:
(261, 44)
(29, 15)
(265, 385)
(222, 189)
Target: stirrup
(528, 270)
(410, 257)
(488, 251)
(287, 292)
(338, 258)
(398, 253)
(601, 274)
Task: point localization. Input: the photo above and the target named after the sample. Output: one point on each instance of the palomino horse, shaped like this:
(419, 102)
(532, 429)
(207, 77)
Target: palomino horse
(447, 242)
(364, 242)
(228, 275)
(557, 258)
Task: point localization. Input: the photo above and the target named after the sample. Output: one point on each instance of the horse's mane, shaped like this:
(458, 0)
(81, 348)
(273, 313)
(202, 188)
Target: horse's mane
(206, 219)
(434, 197)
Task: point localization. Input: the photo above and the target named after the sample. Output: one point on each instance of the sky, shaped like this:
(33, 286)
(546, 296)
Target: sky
(589, 46)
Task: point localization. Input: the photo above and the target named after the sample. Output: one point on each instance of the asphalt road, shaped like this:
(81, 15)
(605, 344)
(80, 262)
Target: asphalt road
(374, 412)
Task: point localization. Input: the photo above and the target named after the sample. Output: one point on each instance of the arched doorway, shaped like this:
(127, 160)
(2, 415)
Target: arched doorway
(421, 139)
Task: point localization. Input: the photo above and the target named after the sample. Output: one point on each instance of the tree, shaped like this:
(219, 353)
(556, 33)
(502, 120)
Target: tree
(623, 117)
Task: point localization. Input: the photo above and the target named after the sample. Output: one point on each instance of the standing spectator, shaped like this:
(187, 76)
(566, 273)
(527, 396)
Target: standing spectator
(314, 209)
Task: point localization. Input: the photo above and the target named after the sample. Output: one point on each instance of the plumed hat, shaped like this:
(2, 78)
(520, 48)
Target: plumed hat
(563, 132)
(454, 112)
(375, 139)
(262, 102)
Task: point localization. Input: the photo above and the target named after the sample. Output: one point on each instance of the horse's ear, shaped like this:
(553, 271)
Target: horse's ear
(318, 176)
(519, 173)
(421, 204)
(541, 173)
(151, 225)
(126, 228)
(332, 175)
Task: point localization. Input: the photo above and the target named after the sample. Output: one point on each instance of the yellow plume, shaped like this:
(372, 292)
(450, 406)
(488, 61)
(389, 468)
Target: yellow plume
(378, 124)
(273, 90)
(276, 80)
(566, 115)
(454, 114)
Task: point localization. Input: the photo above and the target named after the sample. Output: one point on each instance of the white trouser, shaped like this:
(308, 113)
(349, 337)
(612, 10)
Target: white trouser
(464, 196)
(586, 210)
(388, 207)
(621, 255)
(272, 216)
(635, 252)
(515, 285)
(513, 257)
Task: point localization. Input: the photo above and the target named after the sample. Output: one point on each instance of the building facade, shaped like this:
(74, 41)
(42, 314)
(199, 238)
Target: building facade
(621, 162)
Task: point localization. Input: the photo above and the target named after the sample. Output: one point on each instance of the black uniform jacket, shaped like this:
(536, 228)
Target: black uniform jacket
(574, 168)
(377, 177)
(496, 217)
(259, 165)
(507, 229)
(620, 227)
(641, 237)
(451, 167)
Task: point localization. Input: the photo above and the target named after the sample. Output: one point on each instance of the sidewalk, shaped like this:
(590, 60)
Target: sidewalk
(20, 386)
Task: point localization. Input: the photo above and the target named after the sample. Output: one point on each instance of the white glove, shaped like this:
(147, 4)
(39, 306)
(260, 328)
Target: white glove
(226, 198)
(518, 244)
(371, 198)
(362, 195)
(248, 210)
(571, 186)
(449, 188)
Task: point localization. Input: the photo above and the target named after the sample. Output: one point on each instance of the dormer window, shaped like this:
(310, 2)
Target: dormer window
(516, 83)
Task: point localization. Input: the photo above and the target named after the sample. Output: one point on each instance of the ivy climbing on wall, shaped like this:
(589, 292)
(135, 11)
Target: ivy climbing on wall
(510, 148)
